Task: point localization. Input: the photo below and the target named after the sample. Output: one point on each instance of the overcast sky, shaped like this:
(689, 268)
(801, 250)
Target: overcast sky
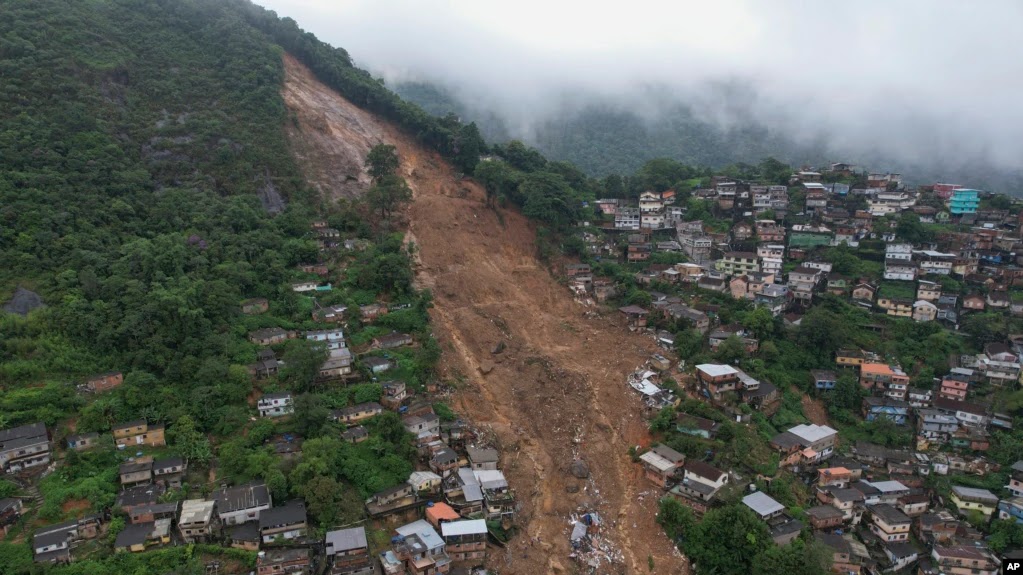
(910, 78)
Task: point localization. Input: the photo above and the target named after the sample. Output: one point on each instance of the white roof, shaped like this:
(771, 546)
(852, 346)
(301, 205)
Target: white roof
(658, 462)
(424, 530)
(762, 504)
(888, 486)
(196, 511)
(465, 527)
(646, 387)
(716, 370)
(924, 303)
(811, 433)
(422, 477)
(490, 478)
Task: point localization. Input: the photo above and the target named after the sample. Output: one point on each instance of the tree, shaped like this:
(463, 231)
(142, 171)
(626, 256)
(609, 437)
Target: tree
(521, 156)
(797, 558)
(910, 229)
(727, 540)
(760, 322)
(1005, 534)
(302, 362)
(548, 198)
(388, 194)
(194, 447)
(688, 343)
(467, 146)
(382, 161)
(675, 518)
(310, 415)
(322, 495)
(499, 180)
(731, 350)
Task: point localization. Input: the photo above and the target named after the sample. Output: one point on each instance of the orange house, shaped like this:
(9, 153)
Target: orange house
(105, 381)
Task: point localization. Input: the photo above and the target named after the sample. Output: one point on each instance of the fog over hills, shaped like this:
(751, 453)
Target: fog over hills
(926, 88)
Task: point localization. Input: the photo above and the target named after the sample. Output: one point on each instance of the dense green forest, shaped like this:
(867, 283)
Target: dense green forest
(148, 188)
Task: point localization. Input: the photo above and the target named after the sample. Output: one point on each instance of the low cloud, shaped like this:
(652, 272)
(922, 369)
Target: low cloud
(916, 81)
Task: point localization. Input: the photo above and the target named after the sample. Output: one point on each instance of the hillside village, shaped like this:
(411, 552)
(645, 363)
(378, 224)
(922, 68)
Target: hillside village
(885, 438)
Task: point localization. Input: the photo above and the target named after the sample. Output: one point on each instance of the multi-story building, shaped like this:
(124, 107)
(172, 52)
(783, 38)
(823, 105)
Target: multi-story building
(964, 201)
(698, 248)
(967, 499)
(627, 218)
(275, 404)
(963, 560)
(23, 447)
(738, 263)
(900, 269)
(466, 540)
(889, 524)
(935, 425)
(241, 504)
(770, 231)
(934, 262)
(196, 522)
(348, 552)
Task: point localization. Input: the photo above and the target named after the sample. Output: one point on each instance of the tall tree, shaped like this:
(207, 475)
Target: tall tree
(382, 161)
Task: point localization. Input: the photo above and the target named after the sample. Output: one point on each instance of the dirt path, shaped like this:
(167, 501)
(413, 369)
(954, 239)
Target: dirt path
(556, 393)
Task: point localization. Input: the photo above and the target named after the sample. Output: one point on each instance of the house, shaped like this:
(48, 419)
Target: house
(889, 524)
(283, 523)
(134, 433)
(23, 447)
(318, 268)
(1008, 509)
(466, 540)
(357, 413)
(924, 311)
(890, 379)
(304, 286)
(964, 201)
(635, 315)
(968, 499)
(696, 426)
(134, 498)
(443, 460)
(370, 312)
(805, 444)
(337, 365)
(137, 472)
(913, 504)
(849, 357)
(864, 292)
(954, 387)
(255, 306)
(394, 394)
(427, 424)
(894, 410)
(825, 517)
(770, 231)
(136, 537)
(421, 549)
(964, 560)
(928, 291)
(275, 404)
(823, 380)
(169, 471)
(330, 313)
(243, 503)
(717, 379)
(197, 522)
(843, 559)
(153, 511)
(356, 434)
(392, 340)
(498, 499)
(269, 336)
(968, 414)
(377, 364)
(279, 561)
(424, 481)
(699, 320)
(737, 263)
(998, 299)
(713, 284)
(763, 505)
(935, 425)
(1015, 485)
(104, 381)
(834, 477)
(10, 513)
(482, 458)
(83, 441)
(347, 552)
(661, 463)
(742, 231)
(974, 302)
(702, 479)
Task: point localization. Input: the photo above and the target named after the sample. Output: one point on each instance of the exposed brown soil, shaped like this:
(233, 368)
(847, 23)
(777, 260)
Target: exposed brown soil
(814, 410)
(557, 392)
(74, 506)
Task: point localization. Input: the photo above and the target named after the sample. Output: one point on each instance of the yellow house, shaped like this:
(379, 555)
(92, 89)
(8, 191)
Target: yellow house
(138, 432)
(968, 499)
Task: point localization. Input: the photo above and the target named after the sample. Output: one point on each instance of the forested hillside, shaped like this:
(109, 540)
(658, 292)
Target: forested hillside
(148, 188)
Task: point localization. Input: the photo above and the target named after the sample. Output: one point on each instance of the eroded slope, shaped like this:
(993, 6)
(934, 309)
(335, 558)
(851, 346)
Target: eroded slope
(556, 393)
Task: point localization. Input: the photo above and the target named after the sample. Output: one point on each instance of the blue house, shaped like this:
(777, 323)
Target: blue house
(893, 409)
(964, 201)
(1011, 508)
(823, 380)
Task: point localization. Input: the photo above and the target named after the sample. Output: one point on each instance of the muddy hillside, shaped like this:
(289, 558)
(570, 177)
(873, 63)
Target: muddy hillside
(533, 365)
